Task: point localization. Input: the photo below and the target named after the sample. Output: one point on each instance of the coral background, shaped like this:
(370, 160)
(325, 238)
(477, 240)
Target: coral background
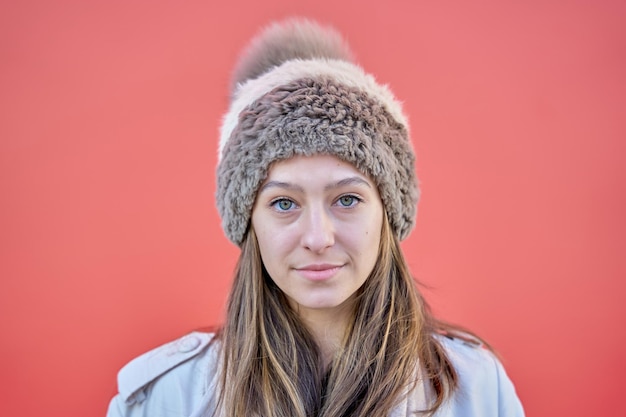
(110, 243)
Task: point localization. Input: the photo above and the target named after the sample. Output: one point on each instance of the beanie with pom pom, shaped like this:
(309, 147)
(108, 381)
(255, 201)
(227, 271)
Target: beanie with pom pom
(297, 92)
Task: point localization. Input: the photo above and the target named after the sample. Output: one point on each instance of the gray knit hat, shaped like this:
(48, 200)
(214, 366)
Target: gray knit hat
(296, 91)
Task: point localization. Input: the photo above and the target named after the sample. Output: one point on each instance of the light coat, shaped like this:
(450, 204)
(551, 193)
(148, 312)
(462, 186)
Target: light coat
(181, 379)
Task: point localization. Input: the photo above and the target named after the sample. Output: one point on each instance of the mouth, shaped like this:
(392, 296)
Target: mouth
(319, 272)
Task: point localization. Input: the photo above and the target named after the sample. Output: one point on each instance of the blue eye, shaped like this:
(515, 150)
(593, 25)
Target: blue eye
(283, 204)
(348, 200)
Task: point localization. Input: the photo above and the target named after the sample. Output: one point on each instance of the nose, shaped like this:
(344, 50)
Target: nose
(318, 230)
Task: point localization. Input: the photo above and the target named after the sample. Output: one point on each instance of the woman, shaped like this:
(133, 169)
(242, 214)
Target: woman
(316, 184)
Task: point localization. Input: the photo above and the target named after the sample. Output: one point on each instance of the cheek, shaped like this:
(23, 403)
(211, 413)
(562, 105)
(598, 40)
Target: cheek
(273, 246)
(364, 242)
(370, 242)
(266, 245)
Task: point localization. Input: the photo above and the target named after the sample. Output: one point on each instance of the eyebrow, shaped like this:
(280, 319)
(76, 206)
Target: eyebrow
(281, 184)
(289, 186)
(348, 181)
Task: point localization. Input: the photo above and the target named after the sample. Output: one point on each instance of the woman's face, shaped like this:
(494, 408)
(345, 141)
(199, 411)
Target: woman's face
(318, 223)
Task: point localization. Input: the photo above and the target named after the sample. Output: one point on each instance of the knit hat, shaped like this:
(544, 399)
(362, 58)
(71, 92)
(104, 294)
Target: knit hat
(296, 91)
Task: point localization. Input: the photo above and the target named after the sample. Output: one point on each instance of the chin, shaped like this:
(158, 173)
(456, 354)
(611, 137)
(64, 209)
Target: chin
(322, 303)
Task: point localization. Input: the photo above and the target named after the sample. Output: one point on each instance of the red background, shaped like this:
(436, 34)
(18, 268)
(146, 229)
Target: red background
(110, 243)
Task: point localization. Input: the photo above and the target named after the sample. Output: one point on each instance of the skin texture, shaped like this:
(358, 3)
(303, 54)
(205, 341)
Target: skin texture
(318, 223)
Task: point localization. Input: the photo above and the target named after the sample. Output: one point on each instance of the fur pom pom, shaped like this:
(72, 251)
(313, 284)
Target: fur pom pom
(295, 38)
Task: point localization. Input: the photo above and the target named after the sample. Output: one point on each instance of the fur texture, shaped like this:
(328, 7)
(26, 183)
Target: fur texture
(286, 41)
(319, 105)
(316, 116)
(349, 74)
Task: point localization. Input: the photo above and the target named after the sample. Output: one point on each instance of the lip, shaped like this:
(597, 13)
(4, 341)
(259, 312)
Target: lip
(318, 272)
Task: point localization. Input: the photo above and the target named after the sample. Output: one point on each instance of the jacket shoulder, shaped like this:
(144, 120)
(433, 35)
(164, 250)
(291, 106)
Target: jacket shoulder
(483, 382)
(136, 376)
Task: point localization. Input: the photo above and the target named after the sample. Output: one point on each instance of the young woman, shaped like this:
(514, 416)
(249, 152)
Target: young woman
(316, 184)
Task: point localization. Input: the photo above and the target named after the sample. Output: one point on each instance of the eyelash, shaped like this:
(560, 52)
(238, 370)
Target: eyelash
(274, 204)
(354, 201)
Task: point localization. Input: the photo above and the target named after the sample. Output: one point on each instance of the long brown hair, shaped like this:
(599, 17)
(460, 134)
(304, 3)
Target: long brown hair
(272, 365)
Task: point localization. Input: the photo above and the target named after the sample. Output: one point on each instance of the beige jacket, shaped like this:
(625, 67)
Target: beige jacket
(179, 379)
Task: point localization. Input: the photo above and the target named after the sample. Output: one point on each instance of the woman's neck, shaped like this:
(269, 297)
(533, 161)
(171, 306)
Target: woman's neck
(328, 328)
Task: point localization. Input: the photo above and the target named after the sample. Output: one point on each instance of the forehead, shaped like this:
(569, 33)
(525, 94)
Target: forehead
(316, 167)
